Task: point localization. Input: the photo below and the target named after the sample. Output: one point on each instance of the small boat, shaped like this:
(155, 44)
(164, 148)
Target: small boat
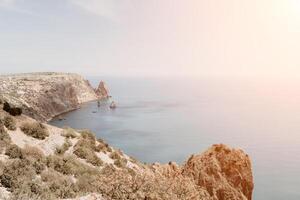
(112, 105)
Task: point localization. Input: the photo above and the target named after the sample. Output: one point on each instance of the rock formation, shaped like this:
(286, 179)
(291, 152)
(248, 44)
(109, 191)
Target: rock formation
(45, 95)
(102, 90)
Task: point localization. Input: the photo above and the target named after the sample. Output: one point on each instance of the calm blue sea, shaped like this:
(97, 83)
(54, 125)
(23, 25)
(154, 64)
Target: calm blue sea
(158, 120)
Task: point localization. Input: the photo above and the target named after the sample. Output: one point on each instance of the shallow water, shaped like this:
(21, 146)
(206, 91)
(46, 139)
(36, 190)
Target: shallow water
(163, 120)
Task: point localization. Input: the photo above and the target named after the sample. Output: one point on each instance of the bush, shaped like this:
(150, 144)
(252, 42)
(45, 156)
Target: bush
(86, 134)
(94, 160)
(35, 130)
(103, 147)
(85, 149)
(16, 172)
(10, 123)
(89, 155)
(13, 151)
(58, 164)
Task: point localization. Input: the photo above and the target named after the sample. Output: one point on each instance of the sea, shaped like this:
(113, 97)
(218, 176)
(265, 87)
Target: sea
(168, 119)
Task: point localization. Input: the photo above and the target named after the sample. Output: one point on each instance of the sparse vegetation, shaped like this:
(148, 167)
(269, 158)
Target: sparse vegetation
(35, 129)
(10, 123)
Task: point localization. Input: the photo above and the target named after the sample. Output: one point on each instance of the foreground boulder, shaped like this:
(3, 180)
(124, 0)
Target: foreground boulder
(220, 173)
(224, 172)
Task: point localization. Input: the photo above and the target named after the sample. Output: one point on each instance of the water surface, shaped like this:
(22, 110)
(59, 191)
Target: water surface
(162, 120)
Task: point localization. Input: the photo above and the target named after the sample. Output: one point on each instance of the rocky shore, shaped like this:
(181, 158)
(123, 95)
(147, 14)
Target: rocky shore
(40, 161)
(45, 95)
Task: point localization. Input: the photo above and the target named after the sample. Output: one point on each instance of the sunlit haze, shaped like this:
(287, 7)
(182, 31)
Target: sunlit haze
(151, 38)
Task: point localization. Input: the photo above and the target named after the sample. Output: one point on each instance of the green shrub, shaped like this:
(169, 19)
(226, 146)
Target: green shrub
(89, 155)
(69, 133)
(87, 134)
(16, 172)
(36, 157)
(33, 152)
(35, 130)
(10, 123)
(120, 162)
(13, 151)
(58, 164)
(94, 160)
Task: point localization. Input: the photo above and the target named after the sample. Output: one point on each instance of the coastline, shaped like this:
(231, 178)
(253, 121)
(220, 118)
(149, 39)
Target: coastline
(211, 175)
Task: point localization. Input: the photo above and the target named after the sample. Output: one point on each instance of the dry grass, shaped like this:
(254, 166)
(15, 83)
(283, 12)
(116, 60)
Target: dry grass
(35, 130)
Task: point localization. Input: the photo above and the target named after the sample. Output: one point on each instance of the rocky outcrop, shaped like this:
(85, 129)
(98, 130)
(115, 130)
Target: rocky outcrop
(224, 172)
(45, 95)
(220, 173)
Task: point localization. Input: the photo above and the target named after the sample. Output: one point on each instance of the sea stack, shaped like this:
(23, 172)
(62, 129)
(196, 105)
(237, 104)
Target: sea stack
(102, 90)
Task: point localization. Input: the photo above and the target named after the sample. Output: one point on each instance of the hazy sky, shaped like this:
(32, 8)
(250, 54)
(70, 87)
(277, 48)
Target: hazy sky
(151, 37)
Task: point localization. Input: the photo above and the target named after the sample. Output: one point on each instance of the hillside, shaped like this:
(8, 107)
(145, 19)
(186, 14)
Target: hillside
(68, 163)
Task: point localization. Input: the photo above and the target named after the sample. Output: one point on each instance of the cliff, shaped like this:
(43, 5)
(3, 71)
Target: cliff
(45, 95)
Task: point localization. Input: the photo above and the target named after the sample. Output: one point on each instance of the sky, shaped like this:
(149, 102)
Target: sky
(151, 37)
